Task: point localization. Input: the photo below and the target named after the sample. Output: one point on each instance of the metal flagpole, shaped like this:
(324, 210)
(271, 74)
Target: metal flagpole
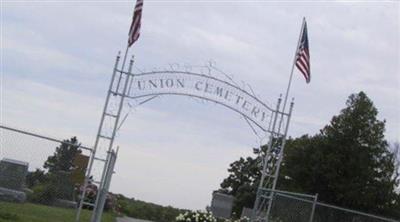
(291, 72)
(123, 66)
(126, 53)
(280, 155)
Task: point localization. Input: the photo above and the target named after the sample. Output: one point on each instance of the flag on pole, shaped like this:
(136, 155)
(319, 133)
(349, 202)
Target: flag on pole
(303, 55)
(134, 31)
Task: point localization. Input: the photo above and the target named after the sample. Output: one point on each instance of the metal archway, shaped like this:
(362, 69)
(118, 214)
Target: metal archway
(201, 86)
(148, 85)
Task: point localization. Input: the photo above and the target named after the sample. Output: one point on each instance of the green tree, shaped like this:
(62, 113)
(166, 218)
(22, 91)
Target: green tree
(63, 157)
(348, 163)
(242, 181)
(56, 182)
(301, 163)
(359, 166)
(60, 166)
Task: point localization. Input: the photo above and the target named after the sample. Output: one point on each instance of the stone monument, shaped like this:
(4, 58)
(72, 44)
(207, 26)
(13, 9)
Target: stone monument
(221, 205)
(12, 180)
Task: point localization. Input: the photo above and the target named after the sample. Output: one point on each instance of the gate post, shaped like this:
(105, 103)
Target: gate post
(98, 205)
(257, 208)
(93, 151)
(280, 157)
(313, 207)
(271, 167)
(112, 156)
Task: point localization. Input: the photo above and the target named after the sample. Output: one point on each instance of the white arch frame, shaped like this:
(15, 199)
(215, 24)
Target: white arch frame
(181, 83)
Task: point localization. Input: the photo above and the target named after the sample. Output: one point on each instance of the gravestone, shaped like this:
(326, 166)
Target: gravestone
(12, 180)
(13, 174)
(221, 205)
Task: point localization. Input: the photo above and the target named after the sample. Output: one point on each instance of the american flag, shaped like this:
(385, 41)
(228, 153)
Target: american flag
(134, 31)
(303, 55)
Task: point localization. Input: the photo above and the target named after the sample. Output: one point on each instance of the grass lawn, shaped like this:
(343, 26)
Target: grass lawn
(40, 213)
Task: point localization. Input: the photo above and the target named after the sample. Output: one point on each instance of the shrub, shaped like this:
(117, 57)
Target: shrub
(244, 219)
(43, 193)
(197, 216)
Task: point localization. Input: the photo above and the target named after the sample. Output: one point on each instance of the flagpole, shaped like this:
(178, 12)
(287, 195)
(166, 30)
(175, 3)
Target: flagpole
(123, 66)
(126, 53)
(133, 34)
(291, 72)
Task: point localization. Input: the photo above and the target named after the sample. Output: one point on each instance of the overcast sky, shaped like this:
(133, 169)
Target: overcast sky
(57, 58)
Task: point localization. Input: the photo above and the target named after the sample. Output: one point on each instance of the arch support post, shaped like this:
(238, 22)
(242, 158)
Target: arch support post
(271, 166)
(103, 156)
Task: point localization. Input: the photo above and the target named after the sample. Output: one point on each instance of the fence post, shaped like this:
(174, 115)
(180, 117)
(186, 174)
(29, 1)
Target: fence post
(313, 207)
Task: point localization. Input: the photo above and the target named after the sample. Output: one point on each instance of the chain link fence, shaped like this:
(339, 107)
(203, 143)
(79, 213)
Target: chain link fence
(290, 207)
(331, 213)
(42, 173)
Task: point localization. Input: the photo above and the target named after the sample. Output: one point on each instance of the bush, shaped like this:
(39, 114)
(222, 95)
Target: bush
(244, 219)
(35, 178)
(146, 211)
(197, 216)
(43, 194)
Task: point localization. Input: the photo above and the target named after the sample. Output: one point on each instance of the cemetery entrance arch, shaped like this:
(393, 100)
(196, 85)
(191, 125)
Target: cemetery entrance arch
(145, 86)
